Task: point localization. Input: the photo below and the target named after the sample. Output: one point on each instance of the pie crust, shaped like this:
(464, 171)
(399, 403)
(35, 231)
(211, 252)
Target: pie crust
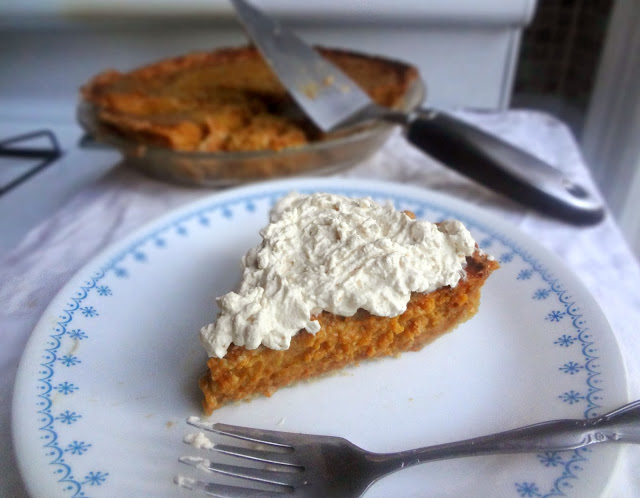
(226, 100)
(344, 341)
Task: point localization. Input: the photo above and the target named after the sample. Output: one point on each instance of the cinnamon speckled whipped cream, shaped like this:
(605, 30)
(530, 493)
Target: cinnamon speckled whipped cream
(326, 252)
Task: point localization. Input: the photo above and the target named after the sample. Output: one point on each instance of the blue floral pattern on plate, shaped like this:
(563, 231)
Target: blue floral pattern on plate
(69, 456)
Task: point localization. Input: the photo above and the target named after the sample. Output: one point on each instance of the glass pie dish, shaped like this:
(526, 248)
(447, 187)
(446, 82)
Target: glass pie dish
(336, 152)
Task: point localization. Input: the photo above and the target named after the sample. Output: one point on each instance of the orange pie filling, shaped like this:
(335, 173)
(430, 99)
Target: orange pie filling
(392, 284)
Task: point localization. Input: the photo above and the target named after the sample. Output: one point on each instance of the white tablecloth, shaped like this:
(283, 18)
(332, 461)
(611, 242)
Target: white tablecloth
(109, 209)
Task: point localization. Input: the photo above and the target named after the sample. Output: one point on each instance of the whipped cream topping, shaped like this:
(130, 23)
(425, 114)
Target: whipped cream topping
(325, 252)
(198, 440)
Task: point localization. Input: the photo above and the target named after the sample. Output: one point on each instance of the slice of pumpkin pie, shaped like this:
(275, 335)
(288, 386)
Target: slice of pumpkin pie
(337, 280)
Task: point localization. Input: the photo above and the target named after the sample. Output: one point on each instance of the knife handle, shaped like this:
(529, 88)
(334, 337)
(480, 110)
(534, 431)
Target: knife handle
(501, 167)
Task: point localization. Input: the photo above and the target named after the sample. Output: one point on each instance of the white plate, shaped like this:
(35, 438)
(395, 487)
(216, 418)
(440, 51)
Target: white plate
(110, 372)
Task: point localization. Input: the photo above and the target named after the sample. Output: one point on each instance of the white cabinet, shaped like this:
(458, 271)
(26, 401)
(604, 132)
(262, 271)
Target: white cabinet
(466, 50)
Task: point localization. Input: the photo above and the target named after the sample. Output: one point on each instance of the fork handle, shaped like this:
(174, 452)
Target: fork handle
(621, 425)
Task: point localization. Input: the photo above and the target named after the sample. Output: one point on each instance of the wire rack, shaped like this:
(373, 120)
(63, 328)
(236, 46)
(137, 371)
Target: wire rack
(25, 155)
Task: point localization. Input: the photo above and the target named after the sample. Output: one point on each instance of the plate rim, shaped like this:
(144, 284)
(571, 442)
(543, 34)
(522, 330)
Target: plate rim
(479, 217)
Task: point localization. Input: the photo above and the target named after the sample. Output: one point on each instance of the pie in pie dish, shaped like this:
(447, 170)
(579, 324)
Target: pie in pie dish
(226, 100)
(336, 281)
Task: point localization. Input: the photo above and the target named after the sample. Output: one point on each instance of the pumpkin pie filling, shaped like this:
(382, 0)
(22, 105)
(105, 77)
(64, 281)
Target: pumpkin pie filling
(312, 299)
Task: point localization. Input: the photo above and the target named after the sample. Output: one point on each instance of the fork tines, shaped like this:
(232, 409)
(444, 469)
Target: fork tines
(261, 436)
(267, 447)
(224, 491)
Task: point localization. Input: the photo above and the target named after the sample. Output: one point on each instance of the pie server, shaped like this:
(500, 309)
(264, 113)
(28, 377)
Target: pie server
(332, 100)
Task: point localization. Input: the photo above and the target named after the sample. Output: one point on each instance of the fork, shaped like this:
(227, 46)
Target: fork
(322, 466)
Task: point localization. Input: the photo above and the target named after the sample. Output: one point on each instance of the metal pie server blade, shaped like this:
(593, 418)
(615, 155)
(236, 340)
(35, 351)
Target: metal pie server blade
(327, 95)
(331, 99)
